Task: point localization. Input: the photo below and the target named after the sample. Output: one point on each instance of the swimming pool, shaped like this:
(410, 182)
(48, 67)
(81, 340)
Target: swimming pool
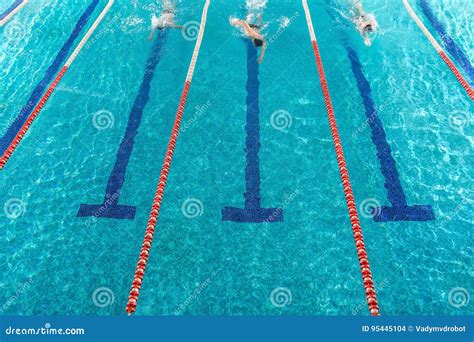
(404, 121)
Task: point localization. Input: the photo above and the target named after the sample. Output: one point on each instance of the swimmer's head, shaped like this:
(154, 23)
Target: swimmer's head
(258, 42)
(369, 28)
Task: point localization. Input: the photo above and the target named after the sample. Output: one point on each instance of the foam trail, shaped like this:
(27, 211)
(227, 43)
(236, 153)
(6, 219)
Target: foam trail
(255, 9)
(256, 4)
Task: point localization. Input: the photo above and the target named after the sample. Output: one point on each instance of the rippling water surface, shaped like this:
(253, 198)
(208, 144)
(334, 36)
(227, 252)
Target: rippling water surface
(53, 262)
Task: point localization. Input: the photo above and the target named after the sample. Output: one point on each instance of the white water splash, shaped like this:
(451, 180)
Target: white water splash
(256, 4)
(255, 9)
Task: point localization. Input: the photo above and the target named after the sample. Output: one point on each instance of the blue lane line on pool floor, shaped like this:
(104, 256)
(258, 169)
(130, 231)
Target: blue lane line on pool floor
(110, 207)
(252, 211)
(11, 9)
(400, 210)
(37, 93)
(448, 41)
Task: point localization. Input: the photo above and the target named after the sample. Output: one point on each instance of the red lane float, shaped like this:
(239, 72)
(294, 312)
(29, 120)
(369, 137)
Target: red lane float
(371, 296)
(458, 75)
(440, 51)
(29, 121)
(14, 144)
(155, 209)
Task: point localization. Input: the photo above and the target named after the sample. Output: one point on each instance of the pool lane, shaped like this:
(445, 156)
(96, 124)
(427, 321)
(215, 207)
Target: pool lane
(50, 73)
(160, 189)
(110, 207)
(400, 210)
(448, 41)
(366, 273)
(440, 51)
(252, 211)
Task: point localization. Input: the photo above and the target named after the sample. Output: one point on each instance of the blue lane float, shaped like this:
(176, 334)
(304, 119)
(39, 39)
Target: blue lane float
(252, 211)
(400, 210)
(448, 41)
(10, 9)
(110, 207)
(53, 69)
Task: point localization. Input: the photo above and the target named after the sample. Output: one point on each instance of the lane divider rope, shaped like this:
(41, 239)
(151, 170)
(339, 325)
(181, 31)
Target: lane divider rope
(16, 141)
(11, 12)
(439, 50)
(155, 209)
(370, 294)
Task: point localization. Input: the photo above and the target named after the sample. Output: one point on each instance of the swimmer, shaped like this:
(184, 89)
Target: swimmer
(365, 23)
(252, 31)
(164, 21)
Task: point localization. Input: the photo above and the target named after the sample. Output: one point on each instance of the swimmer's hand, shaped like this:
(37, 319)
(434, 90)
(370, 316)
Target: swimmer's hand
(234, 21)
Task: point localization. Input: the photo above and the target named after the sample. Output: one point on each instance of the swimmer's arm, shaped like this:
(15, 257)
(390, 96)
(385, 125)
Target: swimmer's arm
(262, 53)
(152, 33)
(237, 22)
(177, 26)
(245, 25)
(358, 6)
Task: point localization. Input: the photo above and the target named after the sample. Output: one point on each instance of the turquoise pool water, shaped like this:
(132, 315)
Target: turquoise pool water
(54, 262)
